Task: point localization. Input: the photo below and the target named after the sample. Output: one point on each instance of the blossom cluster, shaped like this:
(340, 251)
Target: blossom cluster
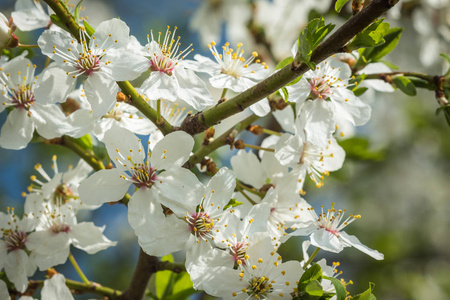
(231, 224)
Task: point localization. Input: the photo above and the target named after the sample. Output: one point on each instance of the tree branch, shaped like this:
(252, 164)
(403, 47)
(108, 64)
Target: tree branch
(333, 44)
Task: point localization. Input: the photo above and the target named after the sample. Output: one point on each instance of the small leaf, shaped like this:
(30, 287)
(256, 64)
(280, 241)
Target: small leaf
(312, 273)
(284, 63)
(76, 14)
(310, 38)
(314, 288)
(446, 110)
(366, 295)
(57, 21)
(232, 203)
(405, 85)
(341, 292)
(371, 36)
(389, 64)
(447, 58)
(359, 149)
(89, 29)
(339, 4)
(359, 91)
(391, 40)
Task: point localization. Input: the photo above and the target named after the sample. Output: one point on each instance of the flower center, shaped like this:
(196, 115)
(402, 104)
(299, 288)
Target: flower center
(14, 239)
(238, 251)
(143, 176)
(63, 192)
(60, 227)
(201, 224)
(115, 114)
(87, 63)
(23, 97)
(169, 55)
(259, 287)
(320, 88)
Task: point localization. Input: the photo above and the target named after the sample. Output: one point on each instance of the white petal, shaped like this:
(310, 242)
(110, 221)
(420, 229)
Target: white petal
(248, 168)
(219, 189)
(289, 149)
(88, 237)
(285, 118)
(55, 288)
(4, 294)
(160, 86)
(317, 116)
(16, 269)
(326, 240)
(49, 120)
(192, 89)
(261, 108)
(352, 240)
(101, 93)
(103, 186)
(124, 65)
(173, 150)
(54, 87)
(17, 131)
(51, 249)
(121, 144)
(118, 30)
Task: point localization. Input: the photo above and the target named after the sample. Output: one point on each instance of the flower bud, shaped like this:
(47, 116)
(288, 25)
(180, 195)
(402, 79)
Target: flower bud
(239, 144)
(7, 38)
(255, 129)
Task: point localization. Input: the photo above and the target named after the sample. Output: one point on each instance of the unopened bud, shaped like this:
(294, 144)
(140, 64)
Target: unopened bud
(120, 97)
(281, 104)
(266, 187)
(357, 6)
(255, 129)
(209, 136)
(211, 167)
(70, 106)
(239, 144)
(7, 38)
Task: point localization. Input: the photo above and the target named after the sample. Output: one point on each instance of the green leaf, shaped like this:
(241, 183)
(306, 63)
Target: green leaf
(89, 29)
(341, 292)
(76, 14)
(182, 287)
(359, 91)
(339, 4)
(371, 36)
(405, 85)
(391, 40)
(389, 64)
(366, 295)
(310, 38)
(181, 295)
(162, 281)
(312, 273)
(284, 63)
(232, 203)
(57, 21)
(447, 58)
(314, 288)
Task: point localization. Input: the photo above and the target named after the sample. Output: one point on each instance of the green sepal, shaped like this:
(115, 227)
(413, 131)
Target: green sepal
(341, 292)
(391, 38)
(339, 4)
(405, 85)
(389, 64)
(371, 36)
(76, 14)
(232, 203)
(285, 93)
(284, 63)
(366, 295)
(89, 29)
(57, 21)
(310, 38)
